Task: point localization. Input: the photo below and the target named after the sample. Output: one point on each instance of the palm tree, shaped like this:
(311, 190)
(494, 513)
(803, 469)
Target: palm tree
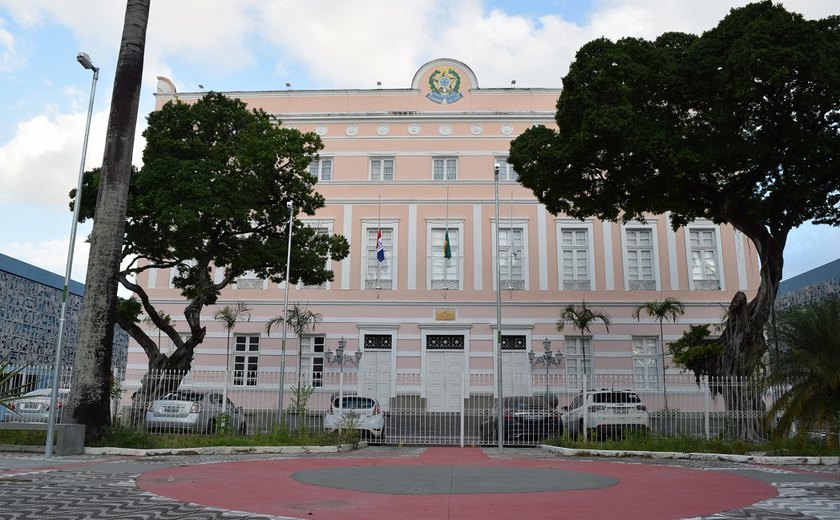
(668, 309)
(229, 316)
(809, 367)
(581, 318)
(300, 320)
(90, 397)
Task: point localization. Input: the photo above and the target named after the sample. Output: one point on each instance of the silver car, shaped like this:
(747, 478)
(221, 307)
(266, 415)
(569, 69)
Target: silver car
(35, 406)
(190, 410)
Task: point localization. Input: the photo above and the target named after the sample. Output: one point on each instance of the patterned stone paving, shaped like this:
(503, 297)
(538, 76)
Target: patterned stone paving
(104, 487)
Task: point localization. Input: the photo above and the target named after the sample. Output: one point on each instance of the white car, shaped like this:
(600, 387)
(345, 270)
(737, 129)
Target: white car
(190, 410)
(357, 412)
(608, 413)
(35, 406)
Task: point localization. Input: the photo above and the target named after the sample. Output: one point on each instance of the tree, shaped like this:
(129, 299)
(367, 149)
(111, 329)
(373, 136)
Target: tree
(90, 392)
(582, 318)
(211, 197)
(740, 126)
(695, 351)
(809, 368)
(229, 316)
(668, 309)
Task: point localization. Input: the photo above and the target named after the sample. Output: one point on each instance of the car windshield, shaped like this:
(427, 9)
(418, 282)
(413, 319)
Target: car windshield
(183, 396)
(527, 403)
(356, 403)
(615, 397)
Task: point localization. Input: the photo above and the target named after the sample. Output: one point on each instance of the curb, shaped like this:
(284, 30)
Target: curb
(222, 450)
(749, 459)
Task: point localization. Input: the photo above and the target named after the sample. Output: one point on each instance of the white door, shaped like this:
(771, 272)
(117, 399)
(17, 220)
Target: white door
(516, 373)
(443, 374)
(376, 376)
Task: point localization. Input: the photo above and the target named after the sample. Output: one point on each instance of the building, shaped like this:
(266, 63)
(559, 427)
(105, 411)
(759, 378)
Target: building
(30, 310)
(811, 286)
(417, 165)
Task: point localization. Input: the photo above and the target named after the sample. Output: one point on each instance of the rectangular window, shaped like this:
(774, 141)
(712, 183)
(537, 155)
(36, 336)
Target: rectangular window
(704, 268)
(246, 360)
(378, 341)
(574, 258)
(510, 258)
(445, 272)
(646, 363)
(506, 171)
(321, 169)
(514, 343)
(445, 169)
(312, 361)
(640, 259)
(578, 361)
(381, 169)
(379, 274)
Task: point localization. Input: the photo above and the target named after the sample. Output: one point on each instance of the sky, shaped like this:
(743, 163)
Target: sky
(225, 45)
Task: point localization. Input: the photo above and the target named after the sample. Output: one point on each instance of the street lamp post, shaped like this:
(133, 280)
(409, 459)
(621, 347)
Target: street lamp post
(84, 60)
(548, 359)
(285, 316)
(500, 425)
(340, 359)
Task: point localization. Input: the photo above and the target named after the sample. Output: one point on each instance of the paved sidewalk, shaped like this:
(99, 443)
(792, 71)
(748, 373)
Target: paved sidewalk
(410, 483)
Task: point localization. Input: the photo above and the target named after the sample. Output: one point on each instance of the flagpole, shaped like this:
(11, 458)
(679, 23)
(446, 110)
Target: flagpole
(378, 238)
(511, 245)
(499, 388)
(446, 235)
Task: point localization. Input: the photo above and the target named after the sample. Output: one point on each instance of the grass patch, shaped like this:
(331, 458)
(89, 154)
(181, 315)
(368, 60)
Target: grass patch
(119, 436)
(646, 442)
(23, 437)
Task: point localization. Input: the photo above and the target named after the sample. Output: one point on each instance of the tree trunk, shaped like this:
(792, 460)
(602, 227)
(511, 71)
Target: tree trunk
(89, 402)
(744, 342)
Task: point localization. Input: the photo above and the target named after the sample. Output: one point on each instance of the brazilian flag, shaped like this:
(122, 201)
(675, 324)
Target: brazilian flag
(447, 251)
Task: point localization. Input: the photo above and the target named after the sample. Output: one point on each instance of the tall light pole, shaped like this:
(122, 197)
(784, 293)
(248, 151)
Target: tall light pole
(548, 358)
(340, 359)
(500, 425)
(285, 315)
(84, 60)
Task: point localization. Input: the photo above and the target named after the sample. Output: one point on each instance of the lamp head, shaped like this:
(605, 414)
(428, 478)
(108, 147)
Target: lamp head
(84, 59)
(289, 204)
(547, 345)
(358, 356)
(496, 168)
(329, 355)
(531, 356)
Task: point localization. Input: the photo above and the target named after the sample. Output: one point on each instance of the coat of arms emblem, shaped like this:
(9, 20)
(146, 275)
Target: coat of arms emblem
(445, 86)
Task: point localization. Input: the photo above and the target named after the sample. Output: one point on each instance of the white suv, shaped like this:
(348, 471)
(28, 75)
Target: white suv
(608, 413)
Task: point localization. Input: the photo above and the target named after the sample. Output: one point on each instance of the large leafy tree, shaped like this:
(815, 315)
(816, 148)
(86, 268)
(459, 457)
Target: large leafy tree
(212, 194)
(740, 125)
(90, 394)
(808, 367)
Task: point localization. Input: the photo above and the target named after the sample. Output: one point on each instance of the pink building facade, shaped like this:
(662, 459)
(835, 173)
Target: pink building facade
(418, 164)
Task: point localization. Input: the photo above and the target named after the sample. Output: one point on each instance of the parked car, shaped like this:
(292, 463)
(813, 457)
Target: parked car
(190, 410)
(525, 418)
(609, 413)
(34, 406)
(356, 411)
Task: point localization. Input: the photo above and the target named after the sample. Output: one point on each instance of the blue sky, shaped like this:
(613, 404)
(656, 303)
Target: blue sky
(261, 45)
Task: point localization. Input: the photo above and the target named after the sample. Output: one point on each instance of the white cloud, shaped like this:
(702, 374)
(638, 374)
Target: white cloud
(41, 162)
(52, 254)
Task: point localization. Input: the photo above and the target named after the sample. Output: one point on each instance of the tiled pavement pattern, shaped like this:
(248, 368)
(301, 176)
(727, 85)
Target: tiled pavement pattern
(103, 487)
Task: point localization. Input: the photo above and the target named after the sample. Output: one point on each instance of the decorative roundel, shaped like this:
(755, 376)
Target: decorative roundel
(445, 129)
(475, 129)
(413, 129)
(382, 129)
(321, 130)
(352, 130)
(507, 129)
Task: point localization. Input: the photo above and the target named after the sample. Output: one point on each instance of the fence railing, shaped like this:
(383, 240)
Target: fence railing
(451, 410)
(425, 409)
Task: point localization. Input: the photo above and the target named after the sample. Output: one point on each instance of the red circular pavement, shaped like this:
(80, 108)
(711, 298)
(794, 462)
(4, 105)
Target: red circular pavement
(641, 491)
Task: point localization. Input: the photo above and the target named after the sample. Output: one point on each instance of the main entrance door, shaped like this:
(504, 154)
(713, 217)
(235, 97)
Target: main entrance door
(444, 372)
